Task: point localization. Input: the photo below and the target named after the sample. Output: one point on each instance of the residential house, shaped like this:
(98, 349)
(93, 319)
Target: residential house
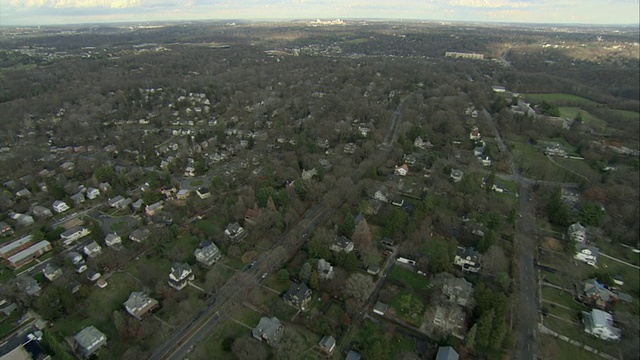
(169, 191)
(600, 324)
(380, 308)
(235, 232)
(51, 271)
(308, 174)
(409, 159)
(77, 198)
(446, 353)
(89, 340)
(485, 160)
(41, 212)
(327, 344)
(29, 254)
(298, 296)
(457, 290)
(150, 210)
(139, 235)
(587, 254)
(93, 275)
(475, 134)
(203, 193)
(577, 232)
(67, 166)
(456, 175)
(73, 234)
(16, 246)
(92, 249)
(419, 143)
(401, 170)
(382, 194)
(5, 229)
(136, 206)
(597, 295)
(353, 355)
(114, 201)
(207, 253)
(325, 270)
(373, 206)
(75, 258)
(28, 285)
(104, 187)
(477, 151)
(60, 206)
(183, 194)
(23, 193)
(373, 269)
(22, 220)
(467, 258)
(74, 286)
(349, 148)
(268, 330)
(397, 201)
(92, 193)
(124, 204)
(449, 319)
(180, 275)
(138, 304)
(112, 239)
(342, 244)
(189, 171)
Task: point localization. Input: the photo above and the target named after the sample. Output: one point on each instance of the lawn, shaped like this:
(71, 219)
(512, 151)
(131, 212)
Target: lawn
(587, 118)
(195, 182)
(212, 227)
(212, 348)
(537, 166)
(559, 349)
(247, 316)
(120, 227)
(562, 298)
(630, 275)
(409, 279)
(581, 167)
(554, 97)
(630, 115)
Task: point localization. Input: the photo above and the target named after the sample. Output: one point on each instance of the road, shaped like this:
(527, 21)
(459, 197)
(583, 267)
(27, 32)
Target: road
(525, 247)
(235, 290)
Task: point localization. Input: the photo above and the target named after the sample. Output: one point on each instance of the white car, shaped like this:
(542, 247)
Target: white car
(264, 276)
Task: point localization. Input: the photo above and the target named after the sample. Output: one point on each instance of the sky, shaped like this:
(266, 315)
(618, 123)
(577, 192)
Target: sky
(48, 12)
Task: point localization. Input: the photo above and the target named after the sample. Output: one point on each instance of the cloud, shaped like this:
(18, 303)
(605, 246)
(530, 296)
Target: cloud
(58, 4)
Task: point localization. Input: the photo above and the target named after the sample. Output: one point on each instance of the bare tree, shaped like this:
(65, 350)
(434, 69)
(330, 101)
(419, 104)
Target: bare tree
(359, 286)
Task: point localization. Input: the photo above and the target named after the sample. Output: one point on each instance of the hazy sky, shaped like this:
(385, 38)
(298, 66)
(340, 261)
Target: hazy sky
(42, 12)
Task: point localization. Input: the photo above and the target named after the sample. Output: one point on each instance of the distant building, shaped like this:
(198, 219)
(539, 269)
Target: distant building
(268, 330)
(600, 324)
(342, 244)
(139, 304)
(467, 258)
(463, 55)
(446, 353)
(89, 341)
(73, 234)
(207, 254)
(235, 232)
(298, 296)
(29, 254)
(180, 275)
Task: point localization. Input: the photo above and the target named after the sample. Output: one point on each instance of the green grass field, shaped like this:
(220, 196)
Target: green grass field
(411, 279)
(581, 167)
(630, 115)
(559, 349)
(553, 97)
(587, 118)
(536, 165)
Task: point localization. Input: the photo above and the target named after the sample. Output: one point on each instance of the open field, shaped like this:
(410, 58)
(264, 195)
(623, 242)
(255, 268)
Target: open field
(553, 97)
(587, 118)
(553, 348)
(537, 166)
(630, 115)
(410, 279)
(581, 167)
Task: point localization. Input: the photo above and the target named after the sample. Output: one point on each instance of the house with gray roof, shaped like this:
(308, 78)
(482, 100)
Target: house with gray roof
(446, 353)
(89, 340)
(298, 296)
(139, 304)
(268, 330)
(207, 253)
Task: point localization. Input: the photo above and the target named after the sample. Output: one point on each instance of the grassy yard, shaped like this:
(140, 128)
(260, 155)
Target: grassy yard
(537, 166)
(631, 275)
(553, 348)
(195, 182)
(630, 115)
(554, 97)
(587, 118)
(247, 316)
(581, 167)
(212, 227)
(120, 227)
(562, 298)
(213, 346)
(576, 332)
(409, 279)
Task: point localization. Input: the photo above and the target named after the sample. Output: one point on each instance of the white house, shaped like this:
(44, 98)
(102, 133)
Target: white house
(467, 258)
(139, 304)
(401, 170)
(180, 275)
(190, 171)
(587, 254)
(92, 249)
(456, 175)
(207, 254)
(600, 324)
(577, 232)
(74, 234)
(60, 206)
(92, 193)
(112, 239)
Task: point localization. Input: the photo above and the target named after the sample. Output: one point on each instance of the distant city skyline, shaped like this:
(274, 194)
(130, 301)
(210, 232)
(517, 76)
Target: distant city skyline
(57, 12)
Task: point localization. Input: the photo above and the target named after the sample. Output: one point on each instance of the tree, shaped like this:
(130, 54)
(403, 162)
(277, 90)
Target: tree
(283, 275)
(317, 249)
(378, 349)
(440, 260)
(347, 260)
(246, 348)
(305, 272)
(590, 214)
(358, 287)
(313, 280)
(470, 339)
(348, 225)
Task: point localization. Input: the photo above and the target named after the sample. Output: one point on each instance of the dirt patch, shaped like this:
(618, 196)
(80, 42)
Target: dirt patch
(552, 244)
(248, 256)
